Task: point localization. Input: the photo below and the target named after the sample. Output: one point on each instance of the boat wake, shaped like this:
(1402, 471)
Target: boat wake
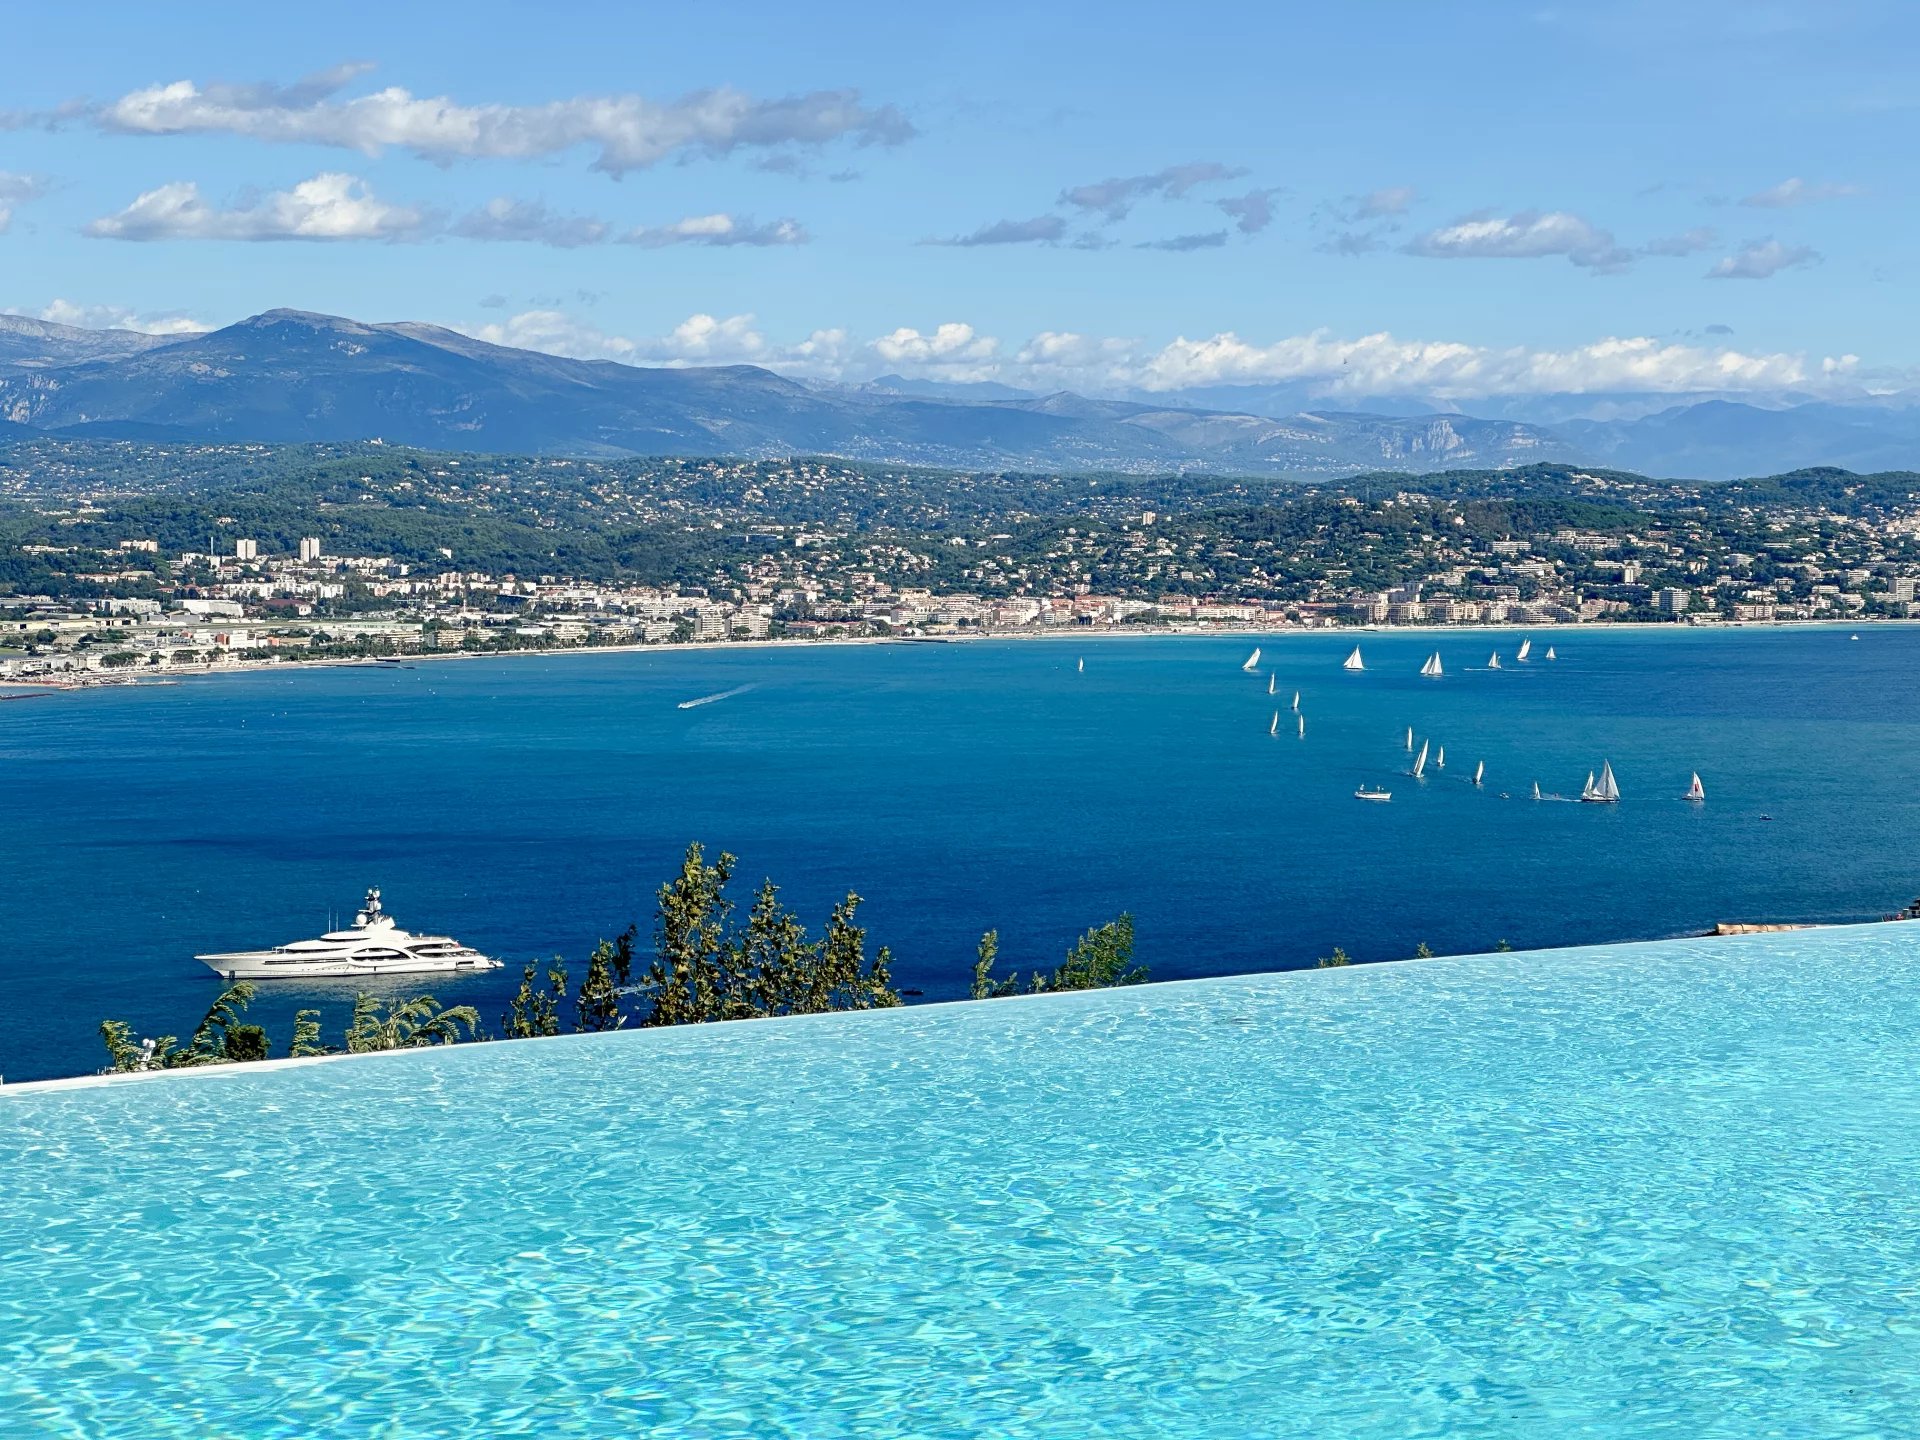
(710, 699)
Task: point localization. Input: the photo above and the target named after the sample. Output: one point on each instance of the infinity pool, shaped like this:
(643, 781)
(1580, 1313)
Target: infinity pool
(1668, 1189)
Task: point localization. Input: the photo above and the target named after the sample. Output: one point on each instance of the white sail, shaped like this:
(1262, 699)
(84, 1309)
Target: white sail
(1253, 660)
(1479, 772)
(1409, 739)
(1420, 761)
(1550, 654)
(1587, 791)
(1695, 790)
(1296, 702)
(1303, 727)
(1274, 728)
(1526, 649)
(1493, 661)
(1440, 758)
(1083, 665)
(1270, 683)
(1536, 789)
(1433, 666)
(1353, 661)
(1609, 789)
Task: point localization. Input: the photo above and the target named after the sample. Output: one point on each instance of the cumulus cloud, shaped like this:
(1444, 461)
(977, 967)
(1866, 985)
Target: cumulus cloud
(719, 229)
(1795, 191)
(1252, 212)
(627, 132)
(1180, 244)
(1687, 242)
(1330, 366)
(1114, 197)
(17, 190)
(1529, 235)
(330, 206)
(1040, 230)
(120, 317)
(1761, 260)
(530, 221)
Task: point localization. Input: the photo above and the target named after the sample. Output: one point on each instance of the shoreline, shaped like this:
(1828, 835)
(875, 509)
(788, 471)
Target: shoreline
(97, 680)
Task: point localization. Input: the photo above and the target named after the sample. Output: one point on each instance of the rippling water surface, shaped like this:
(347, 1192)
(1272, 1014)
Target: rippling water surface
(1653, 1190)
(531, 805)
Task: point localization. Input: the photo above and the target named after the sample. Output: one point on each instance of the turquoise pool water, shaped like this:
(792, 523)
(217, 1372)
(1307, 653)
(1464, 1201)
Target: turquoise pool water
(1651, 1190)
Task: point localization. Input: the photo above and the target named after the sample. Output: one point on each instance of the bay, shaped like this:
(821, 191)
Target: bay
(530, 805)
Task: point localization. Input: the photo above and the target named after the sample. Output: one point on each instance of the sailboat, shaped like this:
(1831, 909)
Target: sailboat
(1493, 661)
(1440, 758)
(1270, 683)
(1274, 728)
(1550, 654)
(1696, 792)
(1296, 702)
(1303, 727)
(1365, 794)
(1253, 660)
(1083, 664)
(1526, 649)
(1353, 661)
(1480, 772)
(1432, 667)
(1409, 739)
(1536, 789)
(1420, 761)
(1606, 791)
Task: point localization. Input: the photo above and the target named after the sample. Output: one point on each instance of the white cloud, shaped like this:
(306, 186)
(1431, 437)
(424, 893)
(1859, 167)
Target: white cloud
(1529, 235)
(1329, 366)
(718, 230)
(17, 190)
(1114, 197)
(531, 221)
(1252, 212)
(1795, 191)
(119, 317)
(1687, 242)
(953, 349)
(330, 206)
(628, 132)
(1040, 230)
(1385, 204)
(1761, 260)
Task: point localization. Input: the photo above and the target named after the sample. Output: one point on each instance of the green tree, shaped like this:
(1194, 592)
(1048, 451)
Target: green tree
(1100, 959)
(846, 980)
(407, 1023)
(985, 985)
(1501, 946)
(609, 972)
(535, 1011)
(687, 975)
(775, 958)
(306, 1035)
(1423, 951)
(1334, 961)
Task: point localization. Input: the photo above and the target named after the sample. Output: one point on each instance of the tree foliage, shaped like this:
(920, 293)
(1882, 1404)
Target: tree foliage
(421, 1020)
(1099, 960)
(534, 1011)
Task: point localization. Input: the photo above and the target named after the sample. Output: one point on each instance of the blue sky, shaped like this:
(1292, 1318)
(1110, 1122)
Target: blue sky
(1462, 200)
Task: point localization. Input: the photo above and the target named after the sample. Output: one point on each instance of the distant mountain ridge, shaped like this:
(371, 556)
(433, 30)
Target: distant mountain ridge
(288, 376)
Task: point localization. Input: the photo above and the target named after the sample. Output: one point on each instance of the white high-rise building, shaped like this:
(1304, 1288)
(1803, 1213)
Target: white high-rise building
(246, 550)
(309, 549)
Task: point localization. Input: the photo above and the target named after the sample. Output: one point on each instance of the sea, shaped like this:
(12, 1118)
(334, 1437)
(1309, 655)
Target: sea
(530, 805)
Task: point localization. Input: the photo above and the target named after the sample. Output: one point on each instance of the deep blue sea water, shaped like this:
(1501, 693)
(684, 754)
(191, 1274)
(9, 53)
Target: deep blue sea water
(529, 805)
(1636, 1192)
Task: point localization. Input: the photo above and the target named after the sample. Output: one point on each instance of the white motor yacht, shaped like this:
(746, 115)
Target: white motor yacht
(372, 945)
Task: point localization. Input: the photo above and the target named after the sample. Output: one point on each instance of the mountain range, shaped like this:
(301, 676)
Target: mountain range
(291, 376)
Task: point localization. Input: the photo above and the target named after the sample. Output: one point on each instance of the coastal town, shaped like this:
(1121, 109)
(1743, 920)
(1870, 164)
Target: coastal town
(718, 551)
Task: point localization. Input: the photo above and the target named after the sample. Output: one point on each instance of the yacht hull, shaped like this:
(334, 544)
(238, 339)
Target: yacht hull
(272, 965)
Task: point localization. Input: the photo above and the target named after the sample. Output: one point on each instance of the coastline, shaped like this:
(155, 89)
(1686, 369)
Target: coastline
(95, 680)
